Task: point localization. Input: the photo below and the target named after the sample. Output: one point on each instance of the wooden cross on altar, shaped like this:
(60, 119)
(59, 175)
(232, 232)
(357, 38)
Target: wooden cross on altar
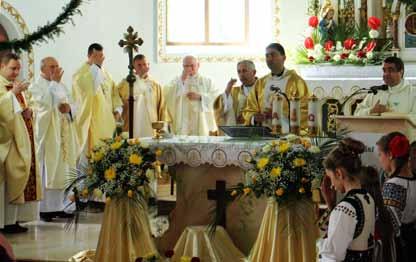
(131, 42)
(220, 195)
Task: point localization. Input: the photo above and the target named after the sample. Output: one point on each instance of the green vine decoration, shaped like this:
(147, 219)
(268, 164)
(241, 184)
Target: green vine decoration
(46, 32)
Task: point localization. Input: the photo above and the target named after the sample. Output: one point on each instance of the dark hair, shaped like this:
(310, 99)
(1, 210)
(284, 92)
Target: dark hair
(139, 57)
(96, 47)
(4, 60)
(346, 155)
(278, 47)
(398, 63)
(370, 181)
(384, 143)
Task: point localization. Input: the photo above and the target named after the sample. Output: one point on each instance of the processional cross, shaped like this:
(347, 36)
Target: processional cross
(131, 42)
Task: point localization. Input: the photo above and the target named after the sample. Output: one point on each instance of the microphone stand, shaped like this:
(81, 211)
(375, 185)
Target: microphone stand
(359, 91)
(280, 92)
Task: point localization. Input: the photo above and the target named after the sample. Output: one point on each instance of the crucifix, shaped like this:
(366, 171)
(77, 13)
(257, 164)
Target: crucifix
(219, 194)
(130, 42)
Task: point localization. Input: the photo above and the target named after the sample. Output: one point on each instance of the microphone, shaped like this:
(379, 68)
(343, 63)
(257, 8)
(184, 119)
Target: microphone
(375, 89)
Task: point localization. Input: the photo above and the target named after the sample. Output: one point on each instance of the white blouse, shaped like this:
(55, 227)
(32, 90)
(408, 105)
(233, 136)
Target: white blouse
(399, 195)
(348, 227)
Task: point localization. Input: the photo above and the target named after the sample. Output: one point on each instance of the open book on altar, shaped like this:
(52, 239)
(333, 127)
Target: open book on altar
(247, 131)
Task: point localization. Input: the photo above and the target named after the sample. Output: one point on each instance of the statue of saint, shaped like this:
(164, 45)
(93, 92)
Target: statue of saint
(327, 24)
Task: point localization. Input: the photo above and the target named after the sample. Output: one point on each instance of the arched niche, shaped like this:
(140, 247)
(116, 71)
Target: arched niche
(15, 28)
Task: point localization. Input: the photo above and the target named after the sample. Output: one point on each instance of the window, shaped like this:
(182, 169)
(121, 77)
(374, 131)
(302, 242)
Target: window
(215, 30)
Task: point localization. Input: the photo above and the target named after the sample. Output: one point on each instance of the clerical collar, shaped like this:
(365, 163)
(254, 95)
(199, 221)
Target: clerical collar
(280, 74)
(397, 88)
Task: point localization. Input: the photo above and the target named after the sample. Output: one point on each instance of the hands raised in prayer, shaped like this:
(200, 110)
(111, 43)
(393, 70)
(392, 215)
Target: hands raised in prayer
(56, 75)
(19, 87)
(230, 85)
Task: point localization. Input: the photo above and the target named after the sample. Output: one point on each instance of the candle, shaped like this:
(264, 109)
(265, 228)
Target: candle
(312, 116)
(294, 115)
(277, 114)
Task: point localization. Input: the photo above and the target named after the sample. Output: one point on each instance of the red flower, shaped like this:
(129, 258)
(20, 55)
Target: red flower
(309, 43)
(311, 59)
(361, 54)
(313, 21)
(327, 58)
(169, 253)
(344, 56)
(399, 146)
(349, 44)
(370, 46)
(374, 23)
(195, 259)
(328, 45)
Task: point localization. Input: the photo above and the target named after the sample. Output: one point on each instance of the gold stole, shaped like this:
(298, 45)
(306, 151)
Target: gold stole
(30, 189)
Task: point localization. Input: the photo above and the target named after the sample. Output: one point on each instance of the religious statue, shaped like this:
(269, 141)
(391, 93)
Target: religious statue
(327, 25)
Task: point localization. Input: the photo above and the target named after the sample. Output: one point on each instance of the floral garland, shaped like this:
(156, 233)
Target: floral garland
(352, 50)
(48, 31)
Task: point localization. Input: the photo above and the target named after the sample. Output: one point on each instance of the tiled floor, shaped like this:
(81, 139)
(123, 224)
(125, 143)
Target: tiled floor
(52, 242)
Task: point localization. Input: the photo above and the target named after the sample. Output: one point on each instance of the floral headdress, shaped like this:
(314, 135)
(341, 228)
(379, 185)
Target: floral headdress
(399, 146)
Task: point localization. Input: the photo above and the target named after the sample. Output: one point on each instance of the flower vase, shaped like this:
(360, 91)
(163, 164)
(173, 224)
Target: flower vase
(287, 232)
(125, 231)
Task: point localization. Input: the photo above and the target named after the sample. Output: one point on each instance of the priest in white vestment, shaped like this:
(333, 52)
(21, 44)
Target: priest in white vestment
(57, 146)
(400, 96)
(98, 100)
(20, 184)
(229, 106)
(259, 101)
(149, 103)
(189, 101)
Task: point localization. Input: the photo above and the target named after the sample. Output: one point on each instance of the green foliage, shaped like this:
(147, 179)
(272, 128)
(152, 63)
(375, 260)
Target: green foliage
(46, 32)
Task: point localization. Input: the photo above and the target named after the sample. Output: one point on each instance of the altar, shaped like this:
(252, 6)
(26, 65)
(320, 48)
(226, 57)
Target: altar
(198, 162)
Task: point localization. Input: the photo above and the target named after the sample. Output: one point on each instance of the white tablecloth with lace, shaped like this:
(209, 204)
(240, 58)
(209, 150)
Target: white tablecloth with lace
(198, 150)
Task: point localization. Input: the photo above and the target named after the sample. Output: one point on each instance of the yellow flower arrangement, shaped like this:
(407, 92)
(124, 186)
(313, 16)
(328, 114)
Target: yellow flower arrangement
(283, 169)
(276, 171)
(117, 169)
(284, 147)
(298, 162)
(116, 145)
(97, 156)
(135, 159)
(110, 174)
(262, 163)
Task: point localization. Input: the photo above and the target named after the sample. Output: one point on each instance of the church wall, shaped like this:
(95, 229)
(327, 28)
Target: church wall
(105, 22)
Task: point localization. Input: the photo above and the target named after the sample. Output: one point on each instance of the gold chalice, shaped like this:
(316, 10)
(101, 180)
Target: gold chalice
(157, 129)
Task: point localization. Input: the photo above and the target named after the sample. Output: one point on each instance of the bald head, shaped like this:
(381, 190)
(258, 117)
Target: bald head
(190, 65)
(48, 66)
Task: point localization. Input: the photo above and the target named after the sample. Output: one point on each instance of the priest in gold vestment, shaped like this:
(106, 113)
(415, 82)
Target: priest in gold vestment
(189, 101)
(229, 105)
(288, 232)
(20, 184)
(99, 102)
(259, 104)
(148, 99)
(55, 136)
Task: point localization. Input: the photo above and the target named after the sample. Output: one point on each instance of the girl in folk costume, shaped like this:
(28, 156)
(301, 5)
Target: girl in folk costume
(384, 244)
(399, 191)
(351, 222)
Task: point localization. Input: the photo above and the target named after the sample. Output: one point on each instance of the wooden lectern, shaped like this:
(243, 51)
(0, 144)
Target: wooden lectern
(369, 129)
